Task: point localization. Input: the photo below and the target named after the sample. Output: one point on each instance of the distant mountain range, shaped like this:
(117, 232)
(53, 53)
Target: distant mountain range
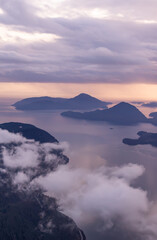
(150, 104)
(122, 113)
(144, 138)
(26, 213)
(81, 102)
(136, 102)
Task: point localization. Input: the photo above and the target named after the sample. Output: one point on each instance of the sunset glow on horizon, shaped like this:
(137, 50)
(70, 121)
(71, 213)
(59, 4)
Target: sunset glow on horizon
(109, 92)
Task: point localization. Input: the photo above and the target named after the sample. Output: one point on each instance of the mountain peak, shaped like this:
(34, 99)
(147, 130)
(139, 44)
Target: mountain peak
(122, 113)
(124, 104)
(83, 96)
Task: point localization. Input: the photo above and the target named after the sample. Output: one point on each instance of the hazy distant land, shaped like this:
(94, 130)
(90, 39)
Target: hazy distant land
(150, 104)
(122, 113)
(81, 102)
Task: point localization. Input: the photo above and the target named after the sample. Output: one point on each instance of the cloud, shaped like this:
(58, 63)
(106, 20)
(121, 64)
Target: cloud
(129, 172)
(7, 137)
(104, 193)
(66, 41)
(103, 197)
(21, 178)
(18, 152)
(23, 156)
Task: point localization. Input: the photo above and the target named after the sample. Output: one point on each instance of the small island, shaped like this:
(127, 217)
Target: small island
(144, 138)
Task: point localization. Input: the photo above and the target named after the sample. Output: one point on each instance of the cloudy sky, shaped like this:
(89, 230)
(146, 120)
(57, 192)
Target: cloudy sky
(85, 41)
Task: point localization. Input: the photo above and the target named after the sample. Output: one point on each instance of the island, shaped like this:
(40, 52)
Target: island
(26, 212)
(122, 114)
(144, 138)
(80, 102)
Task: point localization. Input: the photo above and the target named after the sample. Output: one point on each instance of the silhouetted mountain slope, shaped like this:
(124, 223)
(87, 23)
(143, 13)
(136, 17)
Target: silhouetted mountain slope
(122, 113)
(82, 101)
(29, 131)
(31, 216)
(26, 213)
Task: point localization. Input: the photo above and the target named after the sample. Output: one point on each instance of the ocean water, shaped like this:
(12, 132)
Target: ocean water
(94, 144)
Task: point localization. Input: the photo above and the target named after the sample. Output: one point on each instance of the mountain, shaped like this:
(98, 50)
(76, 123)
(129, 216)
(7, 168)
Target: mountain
(122, 113)
(144, 138)
(31, 216)
(82, 101)
(29, 131)
(26, 212)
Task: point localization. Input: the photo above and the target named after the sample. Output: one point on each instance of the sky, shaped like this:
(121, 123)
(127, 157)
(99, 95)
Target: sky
(11, 92)
(79, 42)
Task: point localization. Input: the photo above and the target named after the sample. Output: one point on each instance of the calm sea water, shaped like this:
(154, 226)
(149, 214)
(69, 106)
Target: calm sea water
(93, 144)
